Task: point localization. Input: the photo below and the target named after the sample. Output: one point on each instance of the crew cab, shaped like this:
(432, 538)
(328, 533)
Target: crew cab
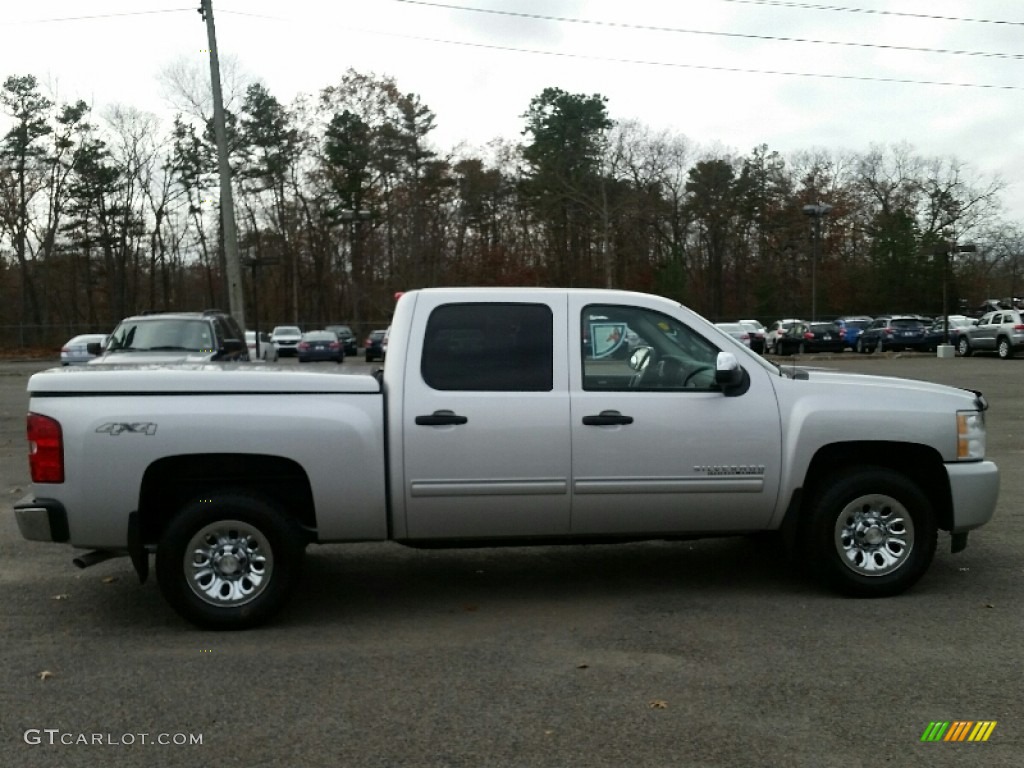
(502, 417)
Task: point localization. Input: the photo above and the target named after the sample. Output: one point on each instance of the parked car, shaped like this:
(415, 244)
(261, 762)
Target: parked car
(738, 331)
(373, 344)
(937, 334)
(76, 350)
(1001, 332)
(778, 327)
(174, 337)
(757, 332)
(267, 350)
(851, 328)
(801, 338)
(320, 345)
(286, 339)
(894, 332)
(346, 337)
(384, 345)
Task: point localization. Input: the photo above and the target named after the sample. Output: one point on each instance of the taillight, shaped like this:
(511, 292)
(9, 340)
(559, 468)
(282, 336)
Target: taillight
(303, 345)
(1018, 329)
(335, 345)
(809, 336)
(45, 449)
(887, 331)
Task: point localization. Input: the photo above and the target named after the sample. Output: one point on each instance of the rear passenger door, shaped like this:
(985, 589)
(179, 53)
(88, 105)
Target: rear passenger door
(485, 419)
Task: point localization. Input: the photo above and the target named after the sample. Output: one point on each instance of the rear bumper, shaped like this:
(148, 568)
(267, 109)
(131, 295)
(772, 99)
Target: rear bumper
(975, 489)
(42, 519)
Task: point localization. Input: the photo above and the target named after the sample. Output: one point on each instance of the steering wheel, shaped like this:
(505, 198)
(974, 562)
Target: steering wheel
(702, 368)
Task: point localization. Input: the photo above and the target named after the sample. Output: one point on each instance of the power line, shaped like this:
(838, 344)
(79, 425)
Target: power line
(740, 35)
(96, 16)
(871, 11)
(704, 67)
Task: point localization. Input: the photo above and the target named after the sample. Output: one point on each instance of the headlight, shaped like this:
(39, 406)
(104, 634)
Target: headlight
(970, 435)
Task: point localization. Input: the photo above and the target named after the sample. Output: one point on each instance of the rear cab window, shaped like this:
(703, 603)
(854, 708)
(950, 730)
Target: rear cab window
(489, 347)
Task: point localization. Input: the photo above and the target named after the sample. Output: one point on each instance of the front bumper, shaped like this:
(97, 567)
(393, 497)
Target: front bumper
(974, 487)
(42, 519)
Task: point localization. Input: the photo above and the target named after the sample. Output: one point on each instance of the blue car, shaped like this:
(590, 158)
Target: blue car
(850, 329)
(320, 345)
(894, 333)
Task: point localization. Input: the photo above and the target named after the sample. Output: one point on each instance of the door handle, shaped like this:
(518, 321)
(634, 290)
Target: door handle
(440, 419)
(607, 419)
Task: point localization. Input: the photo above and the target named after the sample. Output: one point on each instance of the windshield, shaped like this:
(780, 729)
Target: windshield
(161, 335)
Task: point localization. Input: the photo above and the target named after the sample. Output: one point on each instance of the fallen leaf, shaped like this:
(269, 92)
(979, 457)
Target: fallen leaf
(45, 674)
(658, 704)
(989, 605)
(63, 596)
(109, 579)
(582, 666)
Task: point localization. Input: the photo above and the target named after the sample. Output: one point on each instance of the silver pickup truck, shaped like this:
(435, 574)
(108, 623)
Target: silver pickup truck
(503, 416)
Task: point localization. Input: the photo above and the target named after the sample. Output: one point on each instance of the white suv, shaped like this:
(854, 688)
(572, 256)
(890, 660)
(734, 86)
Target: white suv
(286, 339)
(778, 328)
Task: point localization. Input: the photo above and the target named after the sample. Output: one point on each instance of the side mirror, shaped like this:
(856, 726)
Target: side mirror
(730, 375)
(94, 348)
(639, 359)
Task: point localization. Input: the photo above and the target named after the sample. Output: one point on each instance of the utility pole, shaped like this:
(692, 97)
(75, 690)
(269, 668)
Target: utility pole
(232, 261)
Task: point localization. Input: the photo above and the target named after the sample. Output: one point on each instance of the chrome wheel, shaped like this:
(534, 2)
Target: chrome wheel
(228, 563)
(874, 535)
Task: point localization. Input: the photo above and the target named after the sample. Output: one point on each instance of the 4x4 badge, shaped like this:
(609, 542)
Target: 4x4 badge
(135, 428)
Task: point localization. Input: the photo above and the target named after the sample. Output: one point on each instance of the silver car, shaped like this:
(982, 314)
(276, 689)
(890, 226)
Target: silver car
(76, 351)
(1001, 331)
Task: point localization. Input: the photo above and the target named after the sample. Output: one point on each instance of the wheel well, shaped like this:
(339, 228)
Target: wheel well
(170, 482)
(920, 463)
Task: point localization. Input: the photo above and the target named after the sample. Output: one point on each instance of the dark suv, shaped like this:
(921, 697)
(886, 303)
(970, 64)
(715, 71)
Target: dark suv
(174, 337)
(346, 337)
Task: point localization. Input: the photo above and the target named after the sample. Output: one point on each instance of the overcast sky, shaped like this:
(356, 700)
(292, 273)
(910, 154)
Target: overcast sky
(706, 69)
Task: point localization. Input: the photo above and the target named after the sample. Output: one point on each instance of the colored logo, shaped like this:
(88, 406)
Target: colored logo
(959, 730)
(606, 337)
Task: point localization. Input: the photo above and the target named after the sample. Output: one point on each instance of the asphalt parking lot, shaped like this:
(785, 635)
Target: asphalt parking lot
(706, 653)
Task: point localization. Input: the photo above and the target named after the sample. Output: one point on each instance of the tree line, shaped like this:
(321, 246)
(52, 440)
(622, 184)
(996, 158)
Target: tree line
(342, 200)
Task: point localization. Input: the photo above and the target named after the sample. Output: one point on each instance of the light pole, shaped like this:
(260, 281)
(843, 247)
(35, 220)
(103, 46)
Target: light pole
(255, 263)
(815, 212)
(354, 218)
(945, 249)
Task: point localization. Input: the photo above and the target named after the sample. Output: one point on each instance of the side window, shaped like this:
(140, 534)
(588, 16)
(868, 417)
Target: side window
(669, 355)
(489, 348)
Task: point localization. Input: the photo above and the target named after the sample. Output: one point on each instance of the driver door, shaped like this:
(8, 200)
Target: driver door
(655, 455)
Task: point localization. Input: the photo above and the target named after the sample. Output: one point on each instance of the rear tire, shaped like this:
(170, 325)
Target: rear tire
(964, 347)
(228, 560)
(871, 532)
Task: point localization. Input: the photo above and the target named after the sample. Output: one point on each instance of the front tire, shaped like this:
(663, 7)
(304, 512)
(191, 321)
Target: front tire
(872, 532)
(1005, 349)
(228, 560)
